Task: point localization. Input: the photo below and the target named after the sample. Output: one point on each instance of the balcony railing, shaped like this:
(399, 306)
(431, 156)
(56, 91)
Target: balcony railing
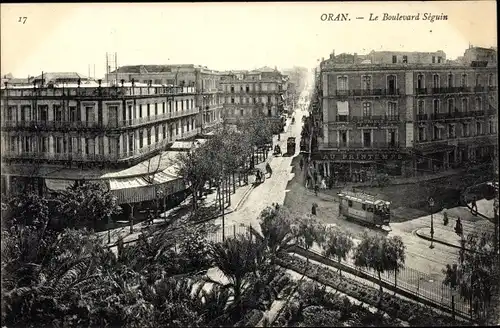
(452, 115)
(367, 119)
(93, 124)
(359, 145)
(367, 92)
(424, 91)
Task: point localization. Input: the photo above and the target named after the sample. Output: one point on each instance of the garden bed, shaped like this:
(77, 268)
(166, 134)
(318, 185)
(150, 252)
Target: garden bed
(415, 314)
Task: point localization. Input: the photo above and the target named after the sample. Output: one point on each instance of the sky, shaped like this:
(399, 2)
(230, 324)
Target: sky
(223, 36)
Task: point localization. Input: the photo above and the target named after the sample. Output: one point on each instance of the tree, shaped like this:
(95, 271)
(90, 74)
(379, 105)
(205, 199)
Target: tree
(337, 244)
(196, 168)
(380, 254)
(475, 274)
(27, 210)
(85, 204)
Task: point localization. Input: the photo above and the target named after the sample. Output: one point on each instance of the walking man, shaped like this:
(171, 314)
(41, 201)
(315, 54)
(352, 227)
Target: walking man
(473, 208)
(301, 163)
(316, 188)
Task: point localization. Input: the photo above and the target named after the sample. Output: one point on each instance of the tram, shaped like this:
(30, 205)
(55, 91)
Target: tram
(365, 208)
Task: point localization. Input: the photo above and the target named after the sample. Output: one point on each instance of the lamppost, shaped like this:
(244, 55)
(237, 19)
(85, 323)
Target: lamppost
(431, 205)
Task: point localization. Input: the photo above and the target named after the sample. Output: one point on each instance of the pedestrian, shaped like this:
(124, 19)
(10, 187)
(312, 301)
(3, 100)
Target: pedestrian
(473, 208)
(316, 189)
(458, 227)
(301, 163)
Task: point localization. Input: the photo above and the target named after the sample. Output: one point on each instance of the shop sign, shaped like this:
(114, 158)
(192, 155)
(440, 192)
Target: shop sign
(359, 156)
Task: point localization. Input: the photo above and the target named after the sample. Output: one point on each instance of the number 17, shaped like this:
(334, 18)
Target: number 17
(22, 20)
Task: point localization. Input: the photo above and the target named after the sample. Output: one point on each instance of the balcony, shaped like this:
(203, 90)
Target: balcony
(425, 91)
(366, 92)
(422, 117)
(421, 91)
(367, 119)
(71, 125)
(359, 145)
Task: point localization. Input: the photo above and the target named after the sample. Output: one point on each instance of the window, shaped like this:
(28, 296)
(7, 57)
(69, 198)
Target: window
(366, 82)
(463, 80)
(478, 80)
(440, 59)
(157, 132)
(192, 103)
(58, 114)
(421, 134)
(232, 89)
(131, 142)
(490, 80)
(342, 83)
(437, 133)
(391, 109)
(149, 136)
(363, 206)
(11, 112)
(465, 105)
(72, 114)
(420, 81)
(269, 112)
(164, 131)
(349, 203)
(465, 129)
(232, 100)
(241, 112)
(130, 115)
(435, 106)
(421, 108)
(490, 126)
(479, 104)
(241, 88)
(433, 59)
(44, 109)
(43, 144)
(140, 111)
(89, 146)
(13, 142)
(367, 138)
(148, 110)
(156, 109)
(141, 139)
(392, 137)
(479, 128)
(405, 59)
(451, 131)
(435, 81)
(450, 105)
(59, 145)
(27, 110)
(450, 80)
(394, 59)
(391, 84)
(343, 138)
(367, 109)
(27, 144)
(247, 89)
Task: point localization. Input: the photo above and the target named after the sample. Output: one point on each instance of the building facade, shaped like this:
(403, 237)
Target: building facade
(206, 82)
(74, 128)
(253, 93)
(389, 115)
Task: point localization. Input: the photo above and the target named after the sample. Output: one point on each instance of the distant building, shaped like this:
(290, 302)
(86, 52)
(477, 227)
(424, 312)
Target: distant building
(404, 114)
(64, 131)
(261, 92)
(206, 82)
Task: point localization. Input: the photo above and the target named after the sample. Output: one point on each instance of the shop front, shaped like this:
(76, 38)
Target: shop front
(357, 166)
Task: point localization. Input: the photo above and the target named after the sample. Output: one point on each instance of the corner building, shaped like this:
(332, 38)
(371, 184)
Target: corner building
(83, 131)
(384, 114)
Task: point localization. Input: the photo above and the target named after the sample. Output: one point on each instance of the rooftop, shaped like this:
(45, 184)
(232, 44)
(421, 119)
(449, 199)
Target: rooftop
(54, 76)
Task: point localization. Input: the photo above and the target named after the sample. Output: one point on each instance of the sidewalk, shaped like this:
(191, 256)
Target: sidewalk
(124, 234)
(446, 234)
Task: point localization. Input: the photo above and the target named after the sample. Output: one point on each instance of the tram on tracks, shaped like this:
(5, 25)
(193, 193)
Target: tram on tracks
(365, 208)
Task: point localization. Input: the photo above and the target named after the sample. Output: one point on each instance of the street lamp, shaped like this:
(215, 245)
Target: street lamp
(431, 204)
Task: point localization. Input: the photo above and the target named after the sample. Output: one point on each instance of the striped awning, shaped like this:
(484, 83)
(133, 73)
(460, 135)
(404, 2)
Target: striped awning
(58, 185)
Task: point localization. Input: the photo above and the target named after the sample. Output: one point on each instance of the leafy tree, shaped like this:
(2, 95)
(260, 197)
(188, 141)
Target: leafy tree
(196, 167)
(86, 204)
(27, 210)
(337, 244)
(380, 254)
(475, 274)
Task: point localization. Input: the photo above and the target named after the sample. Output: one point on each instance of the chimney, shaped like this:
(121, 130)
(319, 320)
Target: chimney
(122, 81)
(150, 82)
(333, 52)
(133, 82)
(99, 82)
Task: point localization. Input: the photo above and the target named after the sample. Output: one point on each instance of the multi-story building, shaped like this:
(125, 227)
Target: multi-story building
(206, 82)
(388, 114)
(249, 93)
(79, 131)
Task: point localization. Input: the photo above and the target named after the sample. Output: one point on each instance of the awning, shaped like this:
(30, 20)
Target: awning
(439, 126)
(342, 108)
(58, 185)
